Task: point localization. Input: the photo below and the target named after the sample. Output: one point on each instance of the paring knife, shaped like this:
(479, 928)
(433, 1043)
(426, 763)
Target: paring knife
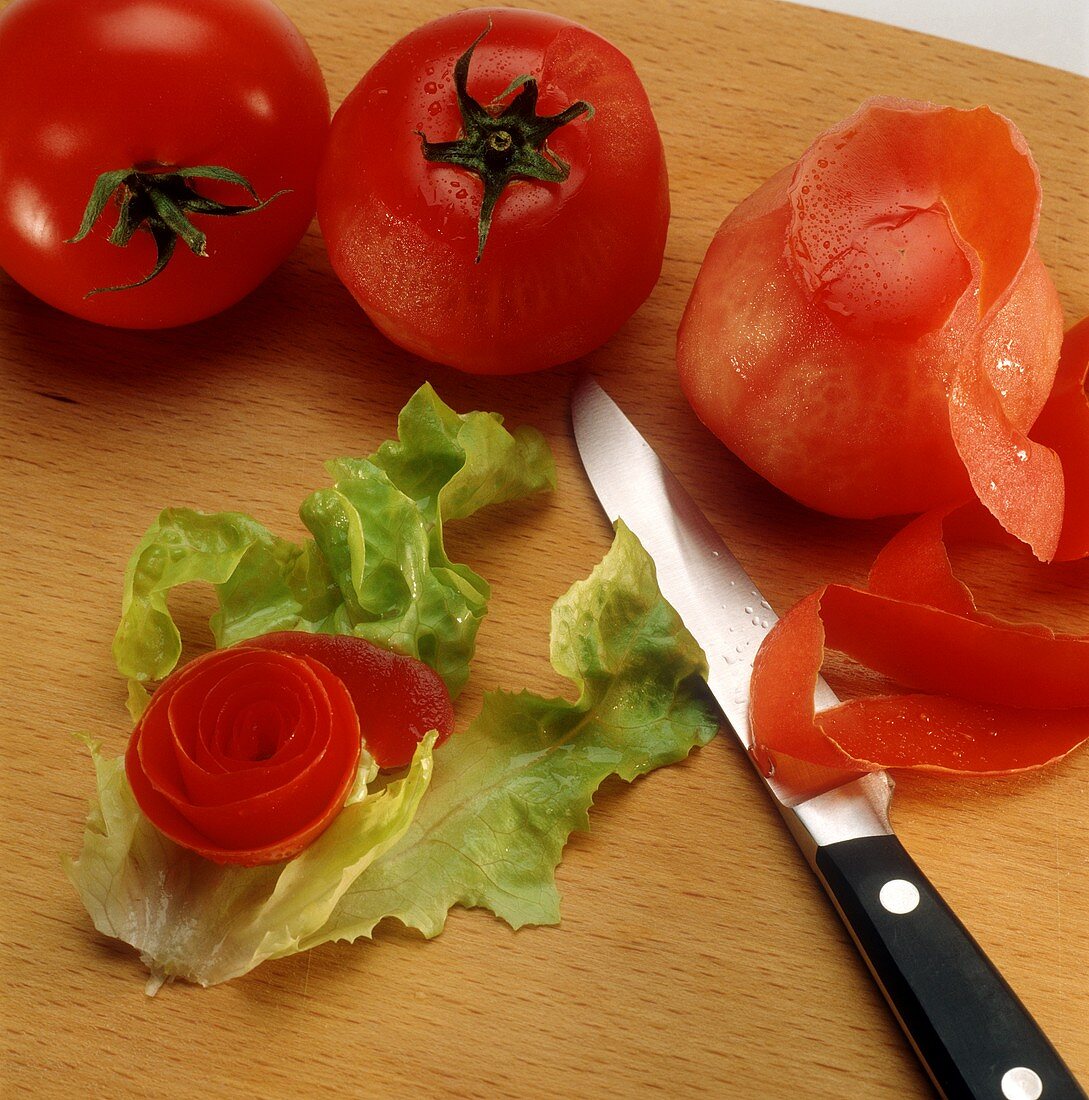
(974, 1037)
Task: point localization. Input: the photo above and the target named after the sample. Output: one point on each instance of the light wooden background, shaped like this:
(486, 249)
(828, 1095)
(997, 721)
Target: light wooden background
(696, 956)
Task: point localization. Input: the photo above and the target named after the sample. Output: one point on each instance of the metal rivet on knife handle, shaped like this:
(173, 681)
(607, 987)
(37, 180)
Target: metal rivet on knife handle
(1021, 1083)
(899, 896)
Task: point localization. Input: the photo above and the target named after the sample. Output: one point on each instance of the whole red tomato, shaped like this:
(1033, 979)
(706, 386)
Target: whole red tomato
(153, 131)
(494, 193)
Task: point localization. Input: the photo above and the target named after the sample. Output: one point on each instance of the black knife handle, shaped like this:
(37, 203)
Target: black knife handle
(975, 1038)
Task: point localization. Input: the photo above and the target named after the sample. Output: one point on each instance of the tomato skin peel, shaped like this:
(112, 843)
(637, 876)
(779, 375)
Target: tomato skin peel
(1063, 426)
(987, 696)
(245, 755)
(873, 330)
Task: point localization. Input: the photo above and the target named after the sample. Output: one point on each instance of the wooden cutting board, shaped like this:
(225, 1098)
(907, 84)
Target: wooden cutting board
(697, 956)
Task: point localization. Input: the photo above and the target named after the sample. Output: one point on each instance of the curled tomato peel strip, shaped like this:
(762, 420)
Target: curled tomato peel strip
(894, 219)
(897, 225)
(986, 696)
(1063, 426)
(1037, 488)
(1019, 480)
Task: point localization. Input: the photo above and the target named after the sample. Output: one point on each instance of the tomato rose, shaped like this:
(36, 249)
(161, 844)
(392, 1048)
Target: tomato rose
(494, 192)
(158, 158)
(874, 331)
(245, 755)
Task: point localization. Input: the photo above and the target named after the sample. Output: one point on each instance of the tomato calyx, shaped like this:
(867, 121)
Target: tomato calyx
(501, 147)
(159, 199)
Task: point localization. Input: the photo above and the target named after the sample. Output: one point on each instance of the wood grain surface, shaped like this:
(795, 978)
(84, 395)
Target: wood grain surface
(697, 956)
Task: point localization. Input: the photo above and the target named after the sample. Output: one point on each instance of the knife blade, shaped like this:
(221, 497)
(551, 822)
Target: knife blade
(970, 1031)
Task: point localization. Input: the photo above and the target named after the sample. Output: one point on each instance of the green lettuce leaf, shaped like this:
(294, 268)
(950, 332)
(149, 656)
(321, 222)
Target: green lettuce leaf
(193, 919)
(375, 566)
(506, 794)
(509, 790)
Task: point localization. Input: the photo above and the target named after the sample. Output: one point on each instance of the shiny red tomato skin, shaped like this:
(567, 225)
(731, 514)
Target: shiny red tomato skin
(565, 264)
(89, 87)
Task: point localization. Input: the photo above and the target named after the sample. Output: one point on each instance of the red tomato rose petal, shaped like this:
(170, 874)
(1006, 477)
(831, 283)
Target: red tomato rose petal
(245, 755)
(153, 743)
(227, 716)
(398, 698)
(175, 826)
(186, 690)
(252, 733)
(1006, 697)
(287, 802)
(202, 700)
(213, 709)
(158, 809)
(289, 697)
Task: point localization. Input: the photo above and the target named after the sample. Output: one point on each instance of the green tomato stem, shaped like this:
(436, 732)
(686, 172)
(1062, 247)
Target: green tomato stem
(159, 201)
(502, 144)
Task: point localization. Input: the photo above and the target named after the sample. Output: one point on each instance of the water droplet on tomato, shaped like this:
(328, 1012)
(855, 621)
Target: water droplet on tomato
(434, 108)
(431, 87)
